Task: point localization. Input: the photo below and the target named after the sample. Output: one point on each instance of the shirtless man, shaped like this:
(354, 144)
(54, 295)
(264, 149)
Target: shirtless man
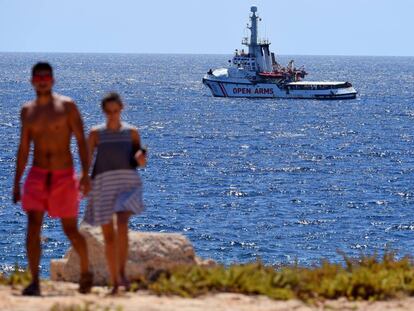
(51, 185)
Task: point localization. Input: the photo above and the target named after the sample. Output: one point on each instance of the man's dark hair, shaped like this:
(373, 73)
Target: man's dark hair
(41, 66)
(111, 97)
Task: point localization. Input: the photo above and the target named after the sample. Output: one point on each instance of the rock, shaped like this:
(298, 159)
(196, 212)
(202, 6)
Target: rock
(207, 263)
(148, 252)
(56, 269)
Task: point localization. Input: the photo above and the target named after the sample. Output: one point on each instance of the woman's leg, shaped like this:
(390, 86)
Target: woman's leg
(111, 253)
(122, 238)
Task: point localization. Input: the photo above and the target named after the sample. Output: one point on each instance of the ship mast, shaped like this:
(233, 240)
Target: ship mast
(259, 49)
(253, 30)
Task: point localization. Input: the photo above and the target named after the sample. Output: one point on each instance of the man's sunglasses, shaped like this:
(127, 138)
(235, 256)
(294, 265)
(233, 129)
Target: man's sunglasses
(42, 78)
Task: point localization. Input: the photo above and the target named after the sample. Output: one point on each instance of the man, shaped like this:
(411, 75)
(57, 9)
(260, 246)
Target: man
(51, 186)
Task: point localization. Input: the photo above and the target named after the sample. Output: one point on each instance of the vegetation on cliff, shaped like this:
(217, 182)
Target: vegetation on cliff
(365, 278)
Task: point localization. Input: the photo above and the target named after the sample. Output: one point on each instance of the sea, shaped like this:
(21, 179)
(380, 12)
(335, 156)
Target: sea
(277, 180)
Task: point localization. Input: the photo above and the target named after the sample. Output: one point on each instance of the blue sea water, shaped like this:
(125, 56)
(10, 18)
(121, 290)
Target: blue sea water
(279, 180)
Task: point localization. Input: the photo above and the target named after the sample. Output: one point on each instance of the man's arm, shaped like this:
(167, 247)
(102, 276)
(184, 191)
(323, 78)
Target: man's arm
(76, 126)
(92, 142)
(22, 154)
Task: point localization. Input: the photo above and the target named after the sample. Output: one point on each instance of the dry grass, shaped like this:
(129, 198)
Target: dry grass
(84, 307)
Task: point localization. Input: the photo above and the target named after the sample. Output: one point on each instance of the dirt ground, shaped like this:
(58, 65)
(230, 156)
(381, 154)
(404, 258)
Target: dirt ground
(59, 296)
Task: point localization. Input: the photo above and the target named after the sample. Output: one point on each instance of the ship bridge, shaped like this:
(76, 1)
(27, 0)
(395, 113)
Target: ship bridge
(243, 60)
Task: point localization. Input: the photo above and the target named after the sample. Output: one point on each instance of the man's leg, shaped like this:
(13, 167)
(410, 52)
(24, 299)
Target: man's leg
(70, 227)
(34, 226)
(122, 232)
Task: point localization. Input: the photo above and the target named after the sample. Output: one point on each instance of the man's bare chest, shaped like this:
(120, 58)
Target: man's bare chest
(48, 120)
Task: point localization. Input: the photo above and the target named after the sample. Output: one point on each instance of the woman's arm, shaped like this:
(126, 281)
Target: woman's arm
(140, 154)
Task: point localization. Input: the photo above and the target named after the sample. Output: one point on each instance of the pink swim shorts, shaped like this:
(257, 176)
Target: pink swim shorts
(52, 191)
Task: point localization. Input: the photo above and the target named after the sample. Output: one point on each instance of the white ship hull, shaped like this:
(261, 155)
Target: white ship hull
(245, 88)
(257, 74)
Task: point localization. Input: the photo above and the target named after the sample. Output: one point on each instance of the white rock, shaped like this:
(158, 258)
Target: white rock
(148, 252)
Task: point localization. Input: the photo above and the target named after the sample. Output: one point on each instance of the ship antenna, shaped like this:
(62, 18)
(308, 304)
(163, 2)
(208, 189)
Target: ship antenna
(253, 29)
(253, 25)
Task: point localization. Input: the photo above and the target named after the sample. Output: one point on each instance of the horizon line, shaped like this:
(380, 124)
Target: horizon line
(180, 53)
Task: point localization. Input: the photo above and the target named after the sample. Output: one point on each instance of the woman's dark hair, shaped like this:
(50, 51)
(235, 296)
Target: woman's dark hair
(41, 66)
(111, 97)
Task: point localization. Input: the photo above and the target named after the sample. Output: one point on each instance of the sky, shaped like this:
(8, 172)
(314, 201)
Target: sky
(295, 27)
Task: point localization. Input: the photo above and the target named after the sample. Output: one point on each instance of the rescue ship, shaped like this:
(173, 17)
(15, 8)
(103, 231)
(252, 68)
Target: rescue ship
(256, 73)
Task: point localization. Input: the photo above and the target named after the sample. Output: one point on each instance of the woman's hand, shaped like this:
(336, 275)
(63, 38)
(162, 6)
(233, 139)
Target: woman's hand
(141, 157)
(85, 184)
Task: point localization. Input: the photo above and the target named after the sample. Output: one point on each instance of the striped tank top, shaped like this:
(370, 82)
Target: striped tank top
(114, 150)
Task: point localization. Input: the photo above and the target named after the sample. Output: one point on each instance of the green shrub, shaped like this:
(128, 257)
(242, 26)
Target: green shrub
(19, 276)
(366, 278)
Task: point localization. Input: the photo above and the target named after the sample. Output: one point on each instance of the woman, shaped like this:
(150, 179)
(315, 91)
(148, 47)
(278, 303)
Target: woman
(116, 186)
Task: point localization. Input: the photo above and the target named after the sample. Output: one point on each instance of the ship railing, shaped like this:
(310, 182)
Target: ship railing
(263, 42)
(246, 41)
